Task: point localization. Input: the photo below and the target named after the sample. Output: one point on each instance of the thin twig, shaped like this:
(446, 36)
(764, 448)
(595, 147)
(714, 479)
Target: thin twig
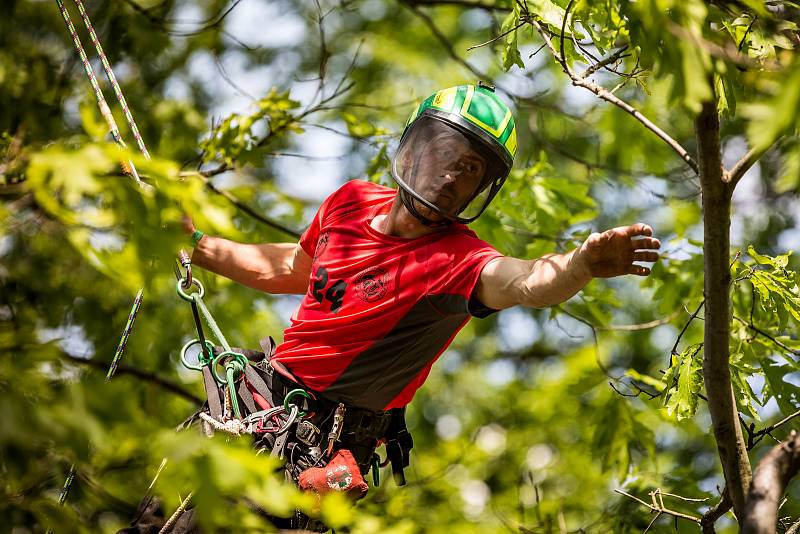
(613, 58)
(490, 41)
(604, 94)
(660, 508)
(138, 373)
(768, 336)
(443, 39)
(245, 208)
(715, 512)
(674, 351)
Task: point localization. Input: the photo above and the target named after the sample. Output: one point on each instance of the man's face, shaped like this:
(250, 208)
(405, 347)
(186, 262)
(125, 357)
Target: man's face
(448, 171)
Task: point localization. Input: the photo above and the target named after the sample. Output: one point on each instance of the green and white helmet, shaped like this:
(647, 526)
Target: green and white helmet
(455, 154)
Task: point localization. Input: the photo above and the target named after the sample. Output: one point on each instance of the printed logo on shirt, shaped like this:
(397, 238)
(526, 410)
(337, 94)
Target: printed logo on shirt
(372, 284)
(322, 244)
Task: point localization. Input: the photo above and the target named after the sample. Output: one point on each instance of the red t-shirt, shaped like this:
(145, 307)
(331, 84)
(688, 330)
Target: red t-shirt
(379, 309)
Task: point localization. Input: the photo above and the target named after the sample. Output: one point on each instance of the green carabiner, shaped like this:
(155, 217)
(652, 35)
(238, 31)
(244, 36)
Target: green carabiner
(237, 357)
(186, 296)
(202, 359)
(292, 393)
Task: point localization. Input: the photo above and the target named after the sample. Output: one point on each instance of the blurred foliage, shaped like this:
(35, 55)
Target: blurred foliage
(534, 416)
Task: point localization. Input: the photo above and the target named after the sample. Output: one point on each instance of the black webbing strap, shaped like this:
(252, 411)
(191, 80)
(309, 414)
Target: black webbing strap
(245, 395)
(212, 392)
(209, 383)
(255, 380)
(398, 445)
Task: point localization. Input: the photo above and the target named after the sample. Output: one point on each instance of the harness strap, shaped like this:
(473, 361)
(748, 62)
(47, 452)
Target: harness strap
(255, 380)
(212, 393)
(245, 395)
(398, 445)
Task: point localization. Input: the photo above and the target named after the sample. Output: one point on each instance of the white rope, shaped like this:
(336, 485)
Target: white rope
(232, 426)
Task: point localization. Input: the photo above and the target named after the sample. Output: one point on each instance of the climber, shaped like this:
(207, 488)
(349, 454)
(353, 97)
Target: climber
(390, 276)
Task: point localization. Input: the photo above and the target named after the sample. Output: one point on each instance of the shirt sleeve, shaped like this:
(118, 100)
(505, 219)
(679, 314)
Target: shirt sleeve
(310, 238)
(469, 255)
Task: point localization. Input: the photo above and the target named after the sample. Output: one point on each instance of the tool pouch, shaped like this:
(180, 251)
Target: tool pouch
(340, 474)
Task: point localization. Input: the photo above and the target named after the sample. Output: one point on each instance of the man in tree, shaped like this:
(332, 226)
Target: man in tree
(390, 276)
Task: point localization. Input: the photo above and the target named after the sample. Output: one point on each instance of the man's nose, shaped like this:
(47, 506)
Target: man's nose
(451, 174)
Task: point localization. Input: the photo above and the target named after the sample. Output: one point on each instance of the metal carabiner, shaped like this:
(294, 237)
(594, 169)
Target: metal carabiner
(202, 358)
(186, 263)
(302, 393)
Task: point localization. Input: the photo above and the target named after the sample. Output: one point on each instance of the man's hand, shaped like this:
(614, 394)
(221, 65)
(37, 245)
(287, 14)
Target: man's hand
(613, 252)
(188, 224)
(554, 278)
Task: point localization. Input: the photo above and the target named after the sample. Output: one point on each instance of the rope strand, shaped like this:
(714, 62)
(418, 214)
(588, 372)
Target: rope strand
(112, 79)
(105, 111)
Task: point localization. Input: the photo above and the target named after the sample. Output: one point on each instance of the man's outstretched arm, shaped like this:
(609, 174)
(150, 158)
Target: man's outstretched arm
(271, 267)
(554, 278)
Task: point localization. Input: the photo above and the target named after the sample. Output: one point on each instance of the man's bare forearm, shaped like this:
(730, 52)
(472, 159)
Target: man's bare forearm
(270, 267)
(549, 280)
(554, 279)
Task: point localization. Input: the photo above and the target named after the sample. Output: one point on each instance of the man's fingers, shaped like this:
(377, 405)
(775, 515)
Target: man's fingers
(645, 243)
(638, 270)
(645, 256)
(638, 229)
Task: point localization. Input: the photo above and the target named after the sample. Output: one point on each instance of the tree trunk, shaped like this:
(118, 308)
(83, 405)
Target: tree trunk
(716, 353)
(769, 482)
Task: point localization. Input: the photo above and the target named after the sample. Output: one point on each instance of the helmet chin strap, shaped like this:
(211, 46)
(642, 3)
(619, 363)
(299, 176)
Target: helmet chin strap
(408, 202)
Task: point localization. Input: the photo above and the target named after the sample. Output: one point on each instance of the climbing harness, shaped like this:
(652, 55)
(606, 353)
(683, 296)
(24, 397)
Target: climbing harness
(326, 445)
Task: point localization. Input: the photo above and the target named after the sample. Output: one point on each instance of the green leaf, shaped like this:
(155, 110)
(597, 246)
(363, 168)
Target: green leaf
(745, 397)
(659, 385)
(686, 372)
(510, 54)
(771, 118)
(549, 12)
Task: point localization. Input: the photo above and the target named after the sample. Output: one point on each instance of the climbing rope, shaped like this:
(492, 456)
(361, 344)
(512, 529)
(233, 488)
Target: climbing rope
(62, 496)
(128, 166)
(111, 78)
(125, 333)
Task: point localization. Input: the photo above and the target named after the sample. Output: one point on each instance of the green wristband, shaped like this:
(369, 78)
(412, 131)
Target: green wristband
(196, 237)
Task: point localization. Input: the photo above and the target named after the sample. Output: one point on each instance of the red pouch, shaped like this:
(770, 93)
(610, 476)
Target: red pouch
(341, 474)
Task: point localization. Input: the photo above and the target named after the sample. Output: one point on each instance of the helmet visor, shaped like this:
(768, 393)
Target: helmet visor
(447, 169)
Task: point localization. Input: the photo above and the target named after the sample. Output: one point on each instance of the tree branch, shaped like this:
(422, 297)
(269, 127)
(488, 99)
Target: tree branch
(658, 506)
(245, 208)
(756, 436)
(715, 512)
(411, 5)
(606, 95)
(717, 283)
(770, 479)
(138, 373)
(463, 3)
(739, 169)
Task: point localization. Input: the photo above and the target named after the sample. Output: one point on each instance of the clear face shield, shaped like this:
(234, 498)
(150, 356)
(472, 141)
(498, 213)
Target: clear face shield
(446, 172)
